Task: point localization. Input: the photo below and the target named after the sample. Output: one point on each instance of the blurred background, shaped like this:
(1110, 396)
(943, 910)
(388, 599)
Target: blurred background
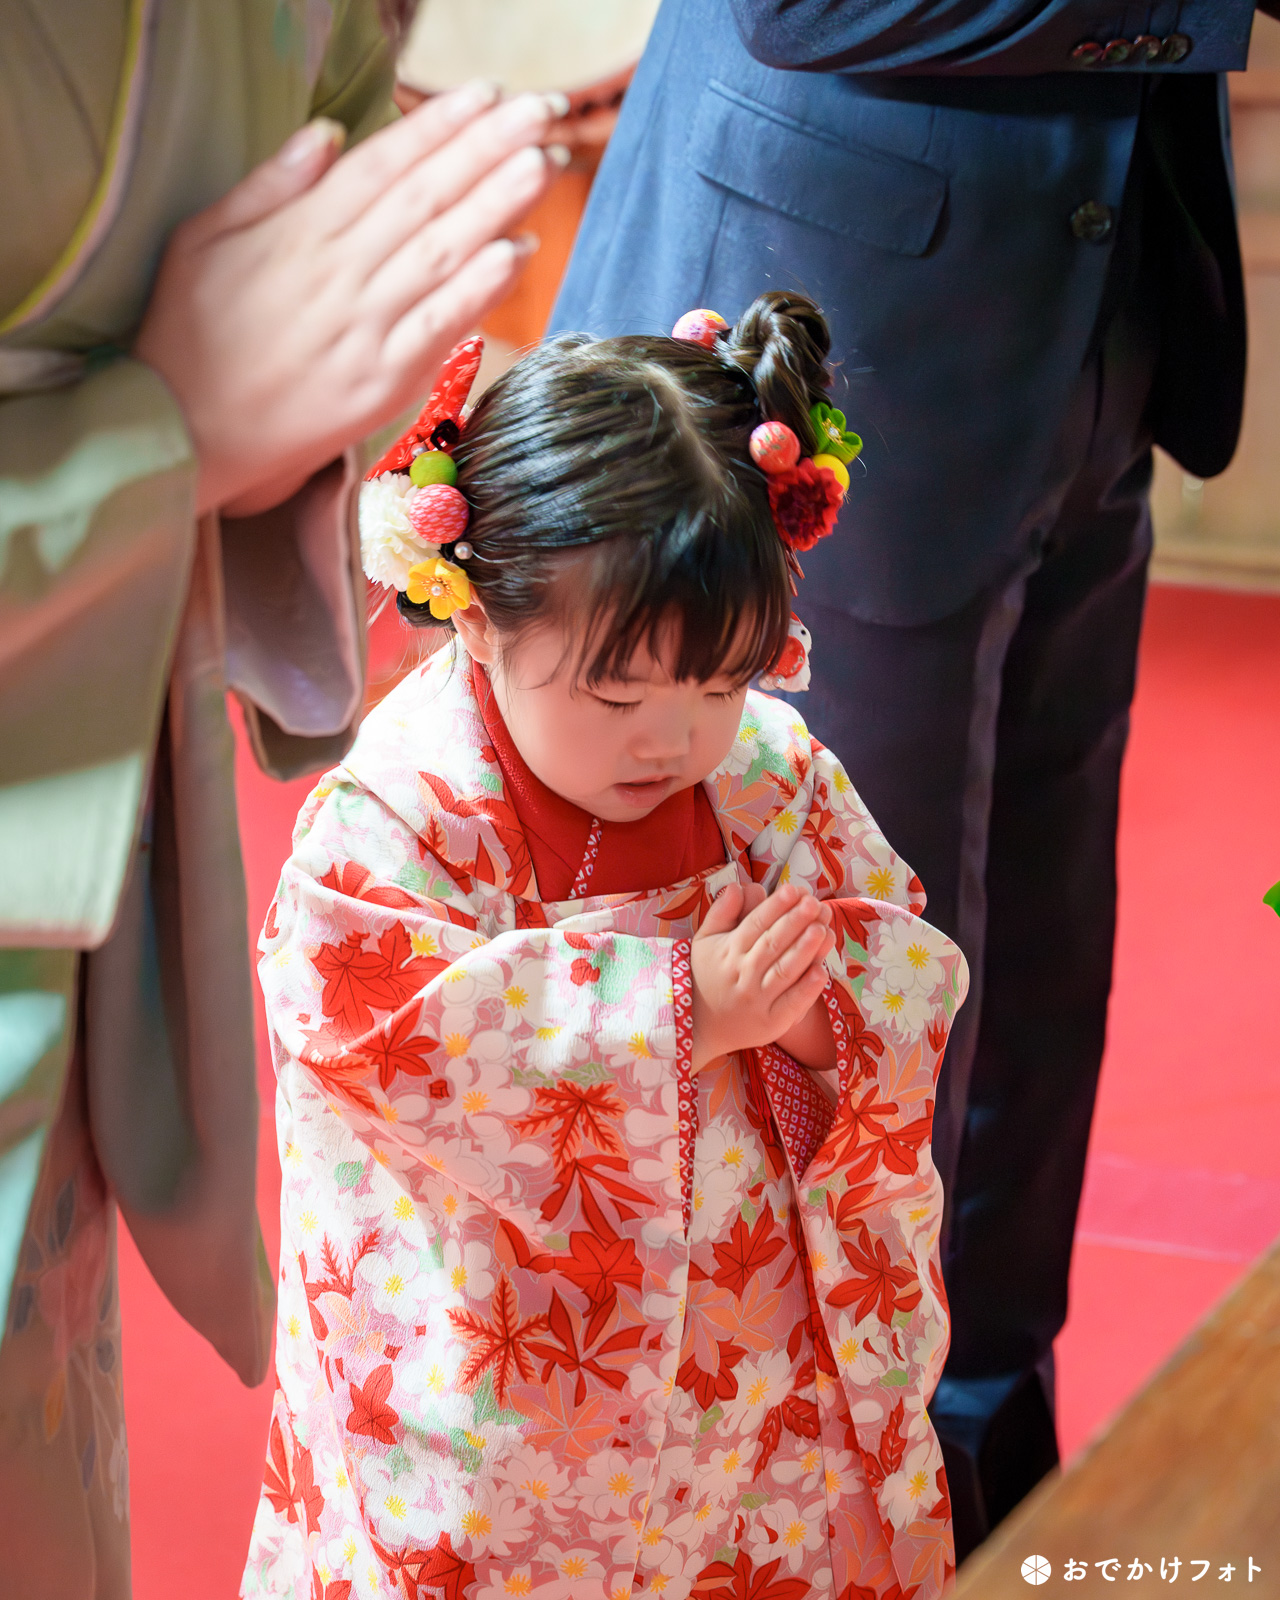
(1183, 1186)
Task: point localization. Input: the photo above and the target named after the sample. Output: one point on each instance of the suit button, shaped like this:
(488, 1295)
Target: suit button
(1146, 47)
(1116, 53)
(1087, 54)
(1092, 221)
(1177, 47)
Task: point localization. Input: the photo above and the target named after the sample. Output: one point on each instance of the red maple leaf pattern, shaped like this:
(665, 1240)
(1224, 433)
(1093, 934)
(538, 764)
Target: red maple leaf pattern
(708, 1387)
(358, 980)
(569, 1348)
(744, 1581)
(289, 1480)
(397, 1046)
(357, 882)
(747, 1251)
(572, 1113)
(586, 1174)
(440, 1569)
(500, 1342)
(370, 1412)
(876, 1282)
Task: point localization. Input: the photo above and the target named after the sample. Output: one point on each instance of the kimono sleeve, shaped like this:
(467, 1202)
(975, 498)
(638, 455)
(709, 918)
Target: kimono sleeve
(295, 592)
(871, 1198)
(540, 1068)
(97, 533)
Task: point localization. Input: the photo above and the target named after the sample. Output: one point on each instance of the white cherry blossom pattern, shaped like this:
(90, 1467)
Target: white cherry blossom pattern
(790, 1530)
(913, 1491)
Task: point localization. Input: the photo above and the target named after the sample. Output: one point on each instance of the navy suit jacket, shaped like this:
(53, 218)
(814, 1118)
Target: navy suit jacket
(916, 170)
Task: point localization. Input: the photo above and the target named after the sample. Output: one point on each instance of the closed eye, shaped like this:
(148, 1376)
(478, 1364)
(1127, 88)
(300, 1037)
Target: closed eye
(619, 705)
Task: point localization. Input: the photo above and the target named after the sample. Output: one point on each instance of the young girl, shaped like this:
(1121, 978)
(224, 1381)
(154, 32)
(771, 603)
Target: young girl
(606, 1031)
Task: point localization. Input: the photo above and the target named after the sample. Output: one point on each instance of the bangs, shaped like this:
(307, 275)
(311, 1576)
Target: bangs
(700, 599)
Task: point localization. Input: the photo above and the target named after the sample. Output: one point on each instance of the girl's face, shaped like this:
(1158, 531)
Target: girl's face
(616, 750)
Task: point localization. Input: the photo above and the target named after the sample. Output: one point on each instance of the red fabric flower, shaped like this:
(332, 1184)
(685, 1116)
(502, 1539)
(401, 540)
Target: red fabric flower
(805, 500)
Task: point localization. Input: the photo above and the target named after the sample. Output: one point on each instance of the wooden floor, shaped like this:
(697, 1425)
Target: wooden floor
(1184, 1484)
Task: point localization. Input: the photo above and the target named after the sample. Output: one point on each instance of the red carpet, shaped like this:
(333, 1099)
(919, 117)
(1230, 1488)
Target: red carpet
(1184, 1179)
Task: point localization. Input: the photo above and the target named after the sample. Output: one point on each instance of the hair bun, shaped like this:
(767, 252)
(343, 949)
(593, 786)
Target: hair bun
(781, 341)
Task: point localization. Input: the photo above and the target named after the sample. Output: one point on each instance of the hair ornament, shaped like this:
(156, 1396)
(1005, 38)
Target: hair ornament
(410, 504)
(774, 447)
(829, 430)
(836, 467)
(439, 424)
(439, 514)
(432, 466)
(440, 585)
(806, 500)
(700, 327)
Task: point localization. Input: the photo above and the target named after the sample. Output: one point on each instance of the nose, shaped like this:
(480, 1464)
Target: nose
(667, 745)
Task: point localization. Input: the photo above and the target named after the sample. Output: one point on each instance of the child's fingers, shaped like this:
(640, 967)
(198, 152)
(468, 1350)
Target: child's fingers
(770, 910)
(783, 929)
(813, 944)
(723, 913)
(788, 1009)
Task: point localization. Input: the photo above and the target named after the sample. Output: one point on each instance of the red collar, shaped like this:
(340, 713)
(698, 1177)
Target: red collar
(677, 840)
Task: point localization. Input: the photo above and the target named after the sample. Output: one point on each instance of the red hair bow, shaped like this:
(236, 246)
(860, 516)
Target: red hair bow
(439, 422)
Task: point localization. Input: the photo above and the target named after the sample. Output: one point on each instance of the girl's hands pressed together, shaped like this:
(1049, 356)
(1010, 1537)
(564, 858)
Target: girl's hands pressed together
(317, 298)
(758, 968)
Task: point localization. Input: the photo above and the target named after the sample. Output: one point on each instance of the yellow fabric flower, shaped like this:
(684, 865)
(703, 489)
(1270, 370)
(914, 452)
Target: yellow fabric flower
(441, 585)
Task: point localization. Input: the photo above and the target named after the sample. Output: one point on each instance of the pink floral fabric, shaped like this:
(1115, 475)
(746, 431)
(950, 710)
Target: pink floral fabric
(555, 1319)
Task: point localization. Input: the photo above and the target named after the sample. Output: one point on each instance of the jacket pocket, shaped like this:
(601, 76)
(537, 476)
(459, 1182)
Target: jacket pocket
(806, 173)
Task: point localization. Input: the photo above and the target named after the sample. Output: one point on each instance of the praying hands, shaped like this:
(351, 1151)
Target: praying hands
(759, 969)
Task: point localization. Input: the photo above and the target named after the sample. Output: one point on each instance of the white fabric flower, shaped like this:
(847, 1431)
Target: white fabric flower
(913, 1491)
(906, 1013)
(787, 1531)
(909, 954)
(388, 544)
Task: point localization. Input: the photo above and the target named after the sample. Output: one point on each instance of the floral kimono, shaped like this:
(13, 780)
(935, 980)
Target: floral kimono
(557, 1318)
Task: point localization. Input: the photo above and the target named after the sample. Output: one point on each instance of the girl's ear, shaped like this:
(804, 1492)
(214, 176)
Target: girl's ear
(477, 633)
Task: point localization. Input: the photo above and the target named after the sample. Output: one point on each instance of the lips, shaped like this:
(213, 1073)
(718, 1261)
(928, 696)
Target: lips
(644, 791)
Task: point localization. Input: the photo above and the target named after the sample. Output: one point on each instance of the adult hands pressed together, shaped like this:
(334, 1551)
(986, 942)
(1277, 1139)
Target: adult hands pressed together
(314, 301)
(759, 969)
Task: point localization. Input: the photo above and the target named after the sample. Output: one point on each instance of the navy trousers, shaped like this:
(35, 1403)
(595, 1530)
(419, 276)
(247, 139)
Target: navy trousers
(988, 746)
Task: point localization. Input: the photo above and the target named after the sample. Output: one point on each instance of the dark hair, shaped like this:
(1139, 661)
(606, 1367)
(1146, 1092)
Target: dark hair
(634, 452)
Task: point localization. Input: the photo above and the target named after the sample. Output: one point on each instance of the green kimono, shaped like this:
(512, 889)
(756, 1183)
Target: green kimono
(126, 1022)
